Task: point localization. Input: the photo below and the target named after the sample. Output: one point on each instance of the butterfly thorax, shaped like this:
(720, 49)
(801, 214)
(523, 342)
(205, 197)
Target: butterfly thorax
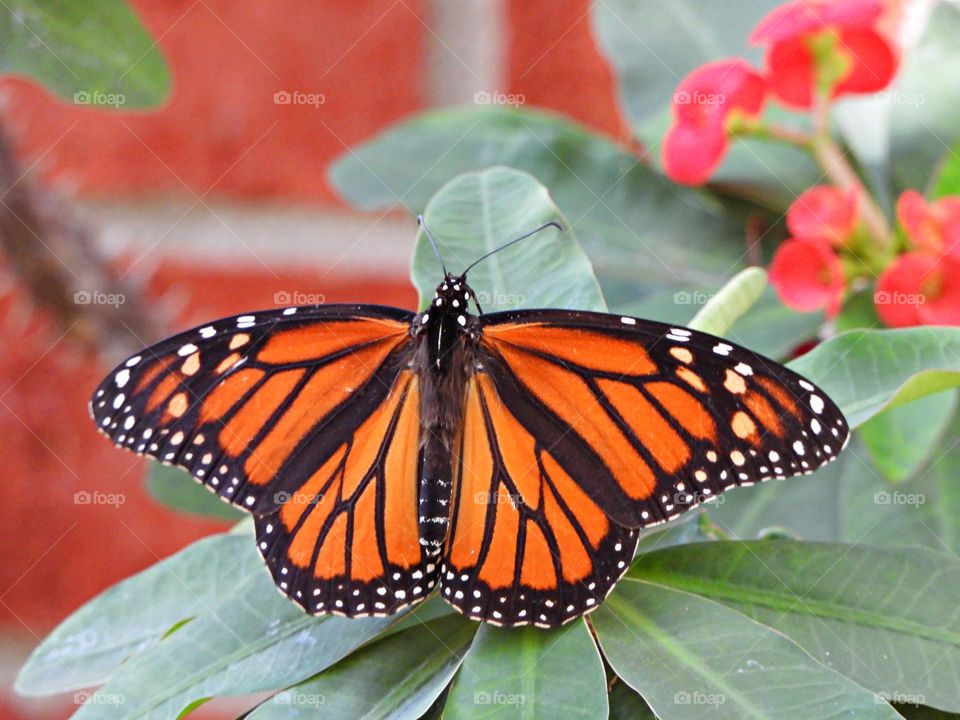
(445, 357)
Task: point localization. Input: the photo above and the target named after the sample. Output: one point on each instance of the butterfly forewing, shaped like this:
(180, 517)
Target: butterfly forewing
(651, 420)
(242, 403)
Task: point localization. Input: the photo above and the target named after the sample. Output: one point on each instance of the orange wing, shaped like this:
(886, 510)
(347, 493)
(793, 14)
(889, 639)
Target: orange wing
(650, 420)
(527, 545)
(346, 541)
(254, 406)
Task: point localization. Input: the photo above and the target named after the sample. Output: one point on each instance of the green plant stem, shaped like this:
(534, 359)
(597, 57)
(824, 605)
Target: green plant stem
(841, 173)
(780, 133)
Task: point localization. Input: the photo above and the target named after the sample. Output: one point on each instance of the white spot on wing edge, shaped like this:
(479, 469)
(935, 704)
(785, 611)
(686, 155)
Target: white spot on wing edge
(628, 321)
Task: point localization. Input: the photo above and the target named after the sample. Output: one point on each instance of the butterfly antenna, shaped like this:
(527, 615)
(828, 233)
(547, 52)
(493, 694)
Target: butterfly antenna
(426, 231)
(557, 225)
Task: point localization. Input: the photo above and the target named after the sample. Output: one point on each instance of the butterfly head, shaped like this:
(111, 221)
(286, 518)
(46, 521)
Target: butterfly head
(452, 296)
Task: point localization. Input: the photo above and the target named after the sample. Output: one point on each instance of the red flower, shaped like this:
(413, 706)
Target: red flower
(919, 288)
(807, 276)
(934, 227)
(824, 213)
(704, 104)
(825, 45)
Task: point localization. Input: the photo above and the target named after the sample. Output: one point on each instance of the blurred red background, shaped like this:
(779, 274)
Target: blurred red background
(224, 151)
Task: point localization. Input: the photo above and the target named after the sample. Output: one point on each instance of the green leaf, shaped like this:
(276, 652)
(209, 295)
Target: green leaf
(924, 510)
(866, 371)
(885, 617)
(530, 673)
(253, 640)
(130, 617)
(901, 440)
(690, 657)
(947, 178)
(90, 53)
(474, 214)
(398, 677)
(640, 231)
(177, 489)
(731, 302)
(807, 507)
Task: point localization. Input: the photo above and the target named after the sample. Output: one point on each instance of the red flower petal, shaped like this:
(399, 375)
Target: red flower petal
(942, 293)
(806, 16)
(702, 103)
(873, 62)
(808, 276)
(824, 213)
(691, 154)
(791, 75)
(934, 227)
(919, 288)
(712, 91)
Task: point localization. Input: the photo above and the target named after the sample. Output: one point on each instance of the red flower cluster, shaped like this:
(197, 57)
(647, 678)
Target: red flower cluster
(806, 271)
(814, 48)
(920, 287)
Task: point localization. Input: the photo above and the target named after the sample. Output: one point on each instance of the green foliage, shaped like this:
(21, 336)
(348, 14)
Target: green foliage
(176, 488)
(808, 629)
(867, 371)
(728, 305)
(641, 232)
(656, 639)
(476, 213)
(89, 53)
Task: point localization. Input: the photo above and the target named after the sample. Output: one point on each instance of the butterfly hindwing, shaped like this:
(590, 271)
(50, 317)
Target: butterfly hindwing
(346, 541)
(253, 405)
(527, 545)
(651, 420)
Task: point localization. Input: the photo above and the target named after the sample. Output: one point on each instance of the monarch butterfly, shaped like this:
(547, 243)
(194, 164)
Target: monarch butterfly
(509, 459)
